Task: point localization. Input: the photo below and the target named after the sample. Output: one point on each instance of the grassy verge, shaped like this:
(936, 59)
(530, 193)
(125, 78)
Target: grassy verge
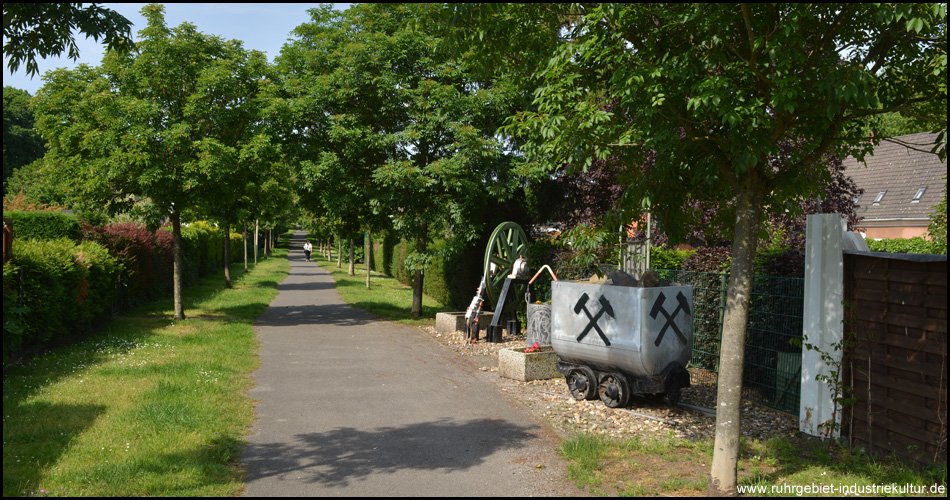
(148, 406)
(386, 298)
(778, 467)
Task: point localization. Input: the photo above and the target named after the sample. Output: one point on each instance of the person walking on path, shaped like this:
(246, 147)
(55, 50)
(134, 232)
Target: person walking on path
(307, 248)
(349, 405)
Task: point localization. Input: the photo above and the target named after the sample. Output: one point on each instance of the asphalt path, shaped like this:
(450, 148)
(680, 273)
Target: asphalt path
(350, 405)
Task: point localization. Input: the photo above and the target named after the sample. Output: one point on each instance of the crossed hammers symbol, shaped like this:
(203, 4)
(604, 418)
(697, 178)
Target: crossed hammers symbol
(658, 309)
(604, 308)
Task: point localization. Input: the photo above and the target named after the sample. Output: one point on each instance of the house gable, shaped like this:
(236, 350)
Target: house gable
(893, 205)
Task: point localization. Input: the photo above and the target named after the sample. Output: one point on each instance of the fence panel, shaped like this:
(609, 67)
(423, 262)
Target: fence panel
(896, 316)
(773, 353)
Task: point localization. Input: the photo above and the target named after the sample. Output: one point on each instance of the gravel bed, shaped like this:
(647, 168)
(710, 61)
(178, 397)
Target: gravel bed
(551, 401)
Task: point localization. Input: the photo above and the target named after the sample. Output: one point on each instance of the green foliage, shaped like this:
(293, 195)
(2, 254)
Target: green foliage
(588, 247)
(46, 29)
(62, 290)
(668, 258)
(21, 144)
(937, 229)
(916, 244)
(44, 225)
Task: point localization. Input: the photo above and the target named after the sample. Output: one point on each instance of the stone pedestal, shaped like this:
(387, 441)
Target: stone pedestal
(516, 364)
(447, 322)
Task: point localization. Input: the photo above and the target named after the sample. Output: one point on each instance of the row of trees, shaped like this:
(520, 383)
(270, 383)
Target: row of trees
(412, 118)
(173, 130)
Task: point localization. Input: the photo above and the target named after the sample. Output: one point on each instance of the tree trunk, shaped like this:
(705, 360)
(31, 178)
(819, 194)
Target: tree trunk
(351, 271)
(417, 279)
(256, 226)
(227, 255)
(266, 244)
(179, 265)
(244, 241)
(366, 250)
(339, 252)
(723, 474)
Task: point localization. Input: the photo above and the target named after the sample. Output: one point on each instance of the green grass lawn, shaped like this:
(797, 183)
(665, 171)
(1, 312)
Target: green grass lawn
(148, 406)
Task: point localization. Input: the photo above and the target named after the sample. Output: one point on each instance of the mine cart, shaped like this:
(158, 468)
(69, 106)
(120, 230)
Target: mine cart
(614, 341)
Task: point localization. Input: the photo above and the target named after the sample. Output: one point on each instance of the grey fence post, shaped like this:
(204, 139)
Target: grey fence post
(822, 323)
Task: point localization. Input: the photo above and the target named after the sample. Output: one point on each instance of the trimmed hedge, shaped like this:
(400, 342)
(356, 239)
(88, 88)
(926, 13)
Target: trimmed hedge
(44, 225)
(56, 290)
(145, 255)
(916, 244)
(451, 278)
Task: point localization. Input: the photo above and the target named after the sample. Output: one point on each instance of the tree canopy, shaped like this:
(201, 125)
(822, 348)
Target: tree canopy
(173, 124)
(21, 144)
(46, 29)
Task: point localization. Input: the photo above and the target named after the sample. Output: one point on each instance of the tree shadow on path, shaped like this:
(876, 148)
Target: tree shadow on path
(337, 457)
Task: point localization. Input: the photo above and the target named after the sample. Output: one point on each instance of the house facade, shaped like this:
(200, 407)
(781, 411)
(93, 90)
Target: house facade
(902, 182)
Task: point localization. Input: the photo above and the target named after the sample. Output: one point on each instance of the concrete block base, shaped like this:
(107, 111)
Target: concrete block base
(516, 364)
(447, 322)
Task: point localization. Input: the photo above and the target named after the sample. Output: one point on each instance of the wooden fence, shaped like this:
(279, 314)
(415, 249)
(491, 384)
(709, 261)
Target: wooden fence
(896, 309)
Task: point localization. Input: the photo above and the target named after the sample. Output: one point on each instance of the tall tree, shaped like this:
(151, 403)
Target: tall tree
(236, 153)
(21, 144)
(713, 90)
(142, 126)
(46, 29)
(341, 117)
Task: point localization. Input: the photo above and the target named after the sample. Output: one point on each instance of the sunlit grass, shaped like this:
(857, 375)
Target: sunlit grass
(147, 407)
(667, 466)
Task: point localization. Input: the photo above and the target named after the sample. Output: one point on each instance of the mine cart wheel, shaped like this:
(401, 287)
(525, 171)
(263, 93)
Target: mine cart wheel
(507, 242)
(582, 383)
(614, 390)
(673, 397)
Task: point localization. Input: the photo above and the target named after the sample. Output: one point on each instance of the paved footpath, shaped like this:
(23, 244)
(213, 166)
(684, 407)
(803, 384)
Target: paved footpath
(349, 405)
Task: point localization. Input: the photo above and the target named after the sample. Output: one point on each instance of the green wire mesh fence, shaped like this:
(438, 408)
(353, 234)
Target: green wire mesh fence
(773, 353)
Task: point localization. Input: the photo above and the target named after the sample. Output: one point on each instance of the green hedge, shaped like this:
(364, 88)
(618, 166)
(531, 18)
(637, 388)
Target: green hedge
(451, 278)
(916, 244)
(56, 290)
(44, 225)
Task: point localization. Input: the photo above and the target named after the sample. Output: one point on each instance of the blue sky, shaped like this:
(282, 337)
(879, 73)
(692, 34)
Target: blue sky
(260, 26)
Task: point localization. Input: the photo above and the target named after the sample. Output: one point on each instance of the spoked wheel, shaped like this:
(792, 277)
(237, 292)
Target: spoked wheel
(614, 390)
(673, 397)
(582, 383)
(507, 242)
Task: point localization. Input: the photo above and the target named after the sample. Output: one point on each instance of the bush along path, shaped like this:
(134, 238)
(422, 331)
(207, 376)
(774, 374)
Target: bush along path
(146, 407)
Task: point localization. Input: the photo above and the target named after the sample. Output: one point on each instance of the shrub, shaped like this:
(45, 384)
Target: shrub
(916, 244)
(668, 258)
(62, 290)
(709, 260)
(44, 225)
(783, 263)
(145, 255)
